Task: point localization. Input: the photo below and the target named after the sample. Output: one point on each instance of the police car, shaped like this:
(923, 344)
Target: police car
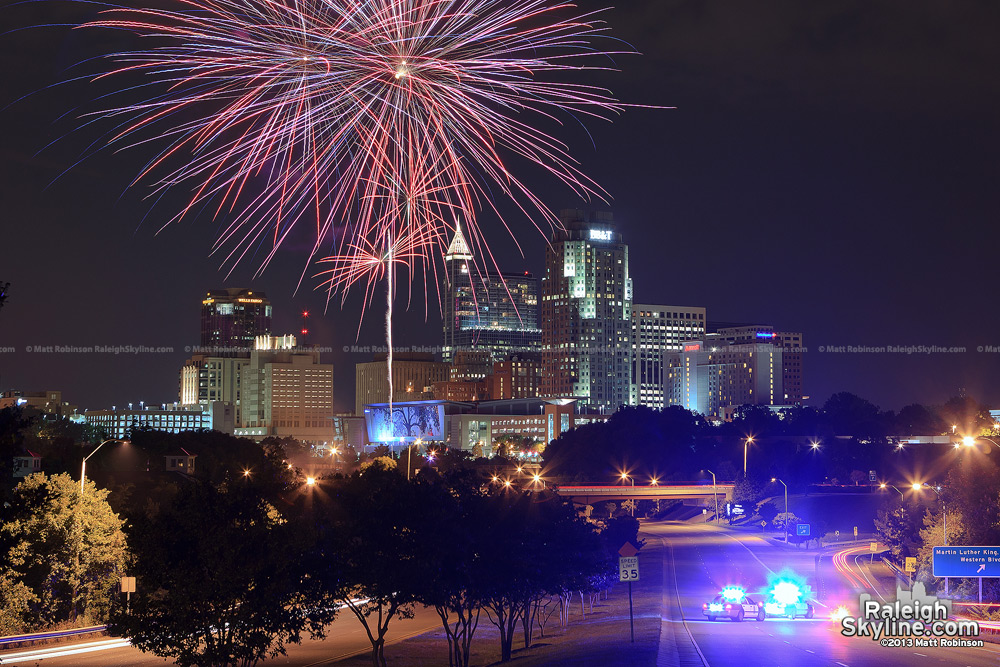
(733, 603)
(786, 600)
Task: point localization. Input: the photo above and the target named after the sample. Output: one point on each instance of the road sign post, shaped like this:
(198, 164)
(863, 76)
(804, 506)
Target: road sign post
(910, 565)
(874, 547)
(855, 532)
(128, 587)
(628, 570)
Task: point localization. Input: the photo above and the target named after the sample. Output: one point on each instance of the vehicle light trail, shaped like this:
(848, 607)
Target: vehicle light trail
(62, 651)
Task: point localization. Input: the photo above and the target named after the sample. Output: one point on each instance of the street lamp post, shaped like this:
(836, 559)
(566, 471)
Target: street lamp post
(625, 476)
(83, 463)
(746, 443)
(775, 479)
(715, 496)
(884, 485)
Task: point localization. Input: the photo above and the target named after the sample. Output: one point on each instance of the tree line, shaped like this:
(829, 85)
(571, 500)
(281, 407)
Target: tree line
(851, 436)
(244, 557)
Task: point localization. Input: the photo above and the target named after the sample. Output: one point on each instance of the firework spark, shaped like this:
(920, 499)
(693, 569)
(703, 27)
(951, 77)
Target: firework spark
(285, 111)
(374, 124)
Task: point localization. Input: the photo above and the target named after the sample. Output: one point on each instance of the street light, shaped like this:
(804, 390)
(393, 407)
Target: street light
(626, 476)
(746, 443)
(944, 510)
(83, 464)
(775, 479)
(969, 441)
(814, 444)
(310, 481)
(715, 496)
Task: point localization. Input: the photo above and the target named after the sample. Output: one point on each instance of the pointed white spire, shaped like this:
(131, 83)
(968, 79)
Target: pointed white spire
(458, 249)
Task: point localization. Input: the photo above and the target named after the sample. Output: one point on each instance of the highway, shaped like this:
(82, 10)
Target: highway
(699, 560)
(683, 565)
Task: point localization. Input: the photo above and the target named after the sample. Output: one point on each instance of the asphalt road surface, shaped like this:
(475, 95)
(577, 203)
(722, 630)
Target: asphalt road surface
(699, 560)
(345, 637)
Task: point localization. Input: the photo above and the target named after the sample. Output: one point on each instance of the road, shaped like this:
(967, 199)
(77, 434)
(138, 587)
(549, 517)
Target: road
(345, 637)
(684, 565)
(699, 560)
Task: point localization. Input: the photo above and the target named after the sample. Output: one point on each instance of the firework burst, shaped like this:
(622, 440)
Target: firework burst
(374, 124)
(284, 112)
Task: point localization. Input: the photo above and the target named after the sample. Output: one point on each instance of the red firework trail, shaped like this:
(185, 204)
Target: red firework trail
(374, 124)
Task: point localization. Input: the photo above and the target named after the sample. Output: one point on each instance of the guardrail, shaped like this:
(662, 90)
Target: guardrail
(55, 634)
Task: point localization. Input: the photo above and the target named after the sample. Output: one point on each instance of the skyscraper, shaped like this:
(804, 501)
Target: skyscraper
(791, 344)
(658, 332)
(587, 313)
(712, 376)
(486, 310)
(231, 319)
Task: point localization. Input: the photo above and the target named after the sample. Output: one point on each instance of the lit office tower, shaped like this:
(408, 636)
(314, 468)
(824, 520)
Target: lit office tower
(485, 310)
(587, 313)
(231, 319)
(713, 376)
(658, 332)
(791, 348)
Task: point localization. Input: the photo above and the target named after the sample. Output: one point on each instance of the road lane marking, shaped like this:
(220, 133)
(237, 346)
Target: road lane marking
(920, 654)
(680, 605)
(841, 664)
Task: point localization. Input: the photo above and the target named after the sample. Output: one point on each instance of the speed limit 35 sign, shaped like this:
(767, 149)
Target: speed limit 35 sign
(628, 568)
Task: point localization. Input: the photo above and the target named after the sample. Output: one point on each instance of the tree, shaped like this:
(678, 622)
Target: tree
(747, 490)
(377, 541)
(68, 550)
(454, 591)
(16, 601)
(767, 511)
(537, 546)
(897, 529)
(858, 476)
(221, 580)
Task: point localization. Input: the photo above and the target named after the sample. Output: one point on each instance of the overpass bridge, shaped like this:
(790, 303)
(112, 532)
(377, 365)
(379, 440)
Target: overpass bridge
(586, 495)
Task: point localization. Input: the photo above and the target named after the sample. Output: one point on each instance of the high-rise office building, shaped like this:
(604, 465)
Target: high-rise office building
(486, 310)
(205, 379)
(586, 311)
(657, 333)
(286, 392)
(231, 320)
(712, 376)
(413, 374)
(791, 344)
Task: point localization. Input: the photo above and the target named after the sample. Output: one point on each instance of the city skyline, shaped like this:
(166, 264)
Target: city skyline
(803, 158)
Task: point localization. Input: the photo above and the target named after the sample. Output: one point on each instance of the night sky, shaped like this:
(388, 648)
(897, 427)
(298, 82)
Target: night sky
(830, 168)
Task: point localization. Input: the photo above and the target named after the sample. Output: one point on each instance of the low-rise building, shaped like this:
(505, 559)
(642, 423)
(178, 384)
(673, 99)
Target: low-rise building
(172, 418)
(472, 426)
(49, 402)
